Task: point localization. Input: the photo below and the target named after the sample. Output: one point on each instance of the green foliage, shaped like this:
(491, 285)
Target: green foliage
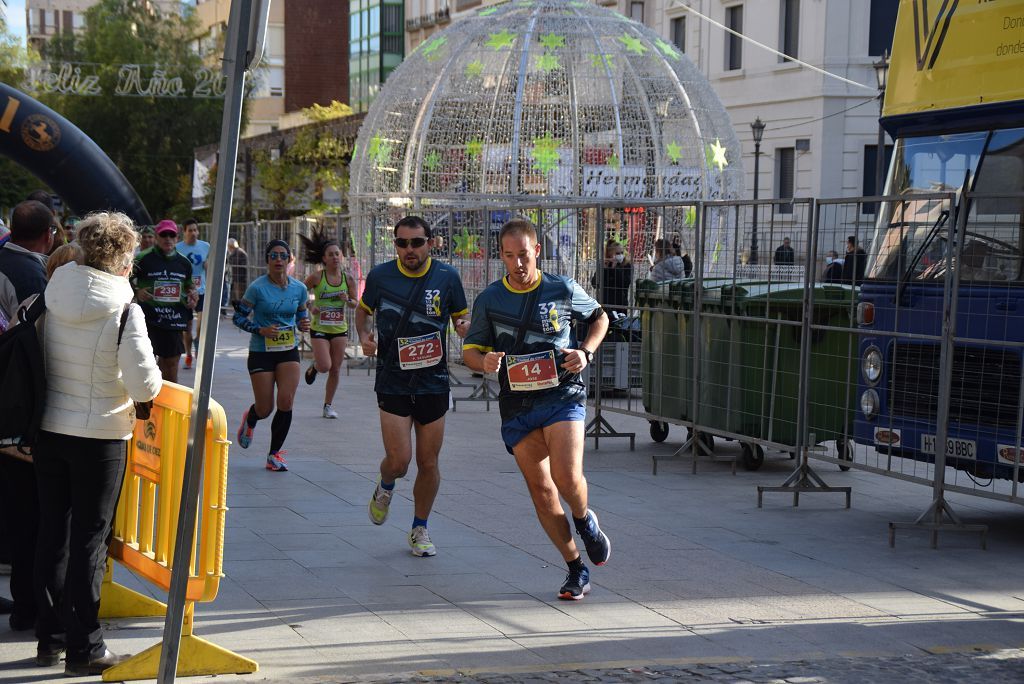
(283, 181)
(150, 139)
(323, 155)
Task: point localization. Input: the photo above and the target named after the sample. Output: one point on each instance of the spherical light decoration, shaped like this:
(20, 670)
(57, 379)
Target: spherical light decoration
(541, 100)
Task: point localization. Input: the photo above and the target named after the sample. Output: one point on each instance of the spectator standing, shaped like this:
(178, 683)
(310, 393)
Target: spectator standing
(238, 262)
(163, 284)
(784, 254)
(197, 252)
(46, 199)
(855, 263)
(616, 275)
(833, 272)
(147, 238)
(667, 264)
(22, 275)
(81, 451)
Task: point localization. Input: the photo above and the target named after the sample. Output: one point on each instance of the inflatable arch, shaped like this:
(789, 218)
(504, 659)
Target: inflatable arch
(64, 158)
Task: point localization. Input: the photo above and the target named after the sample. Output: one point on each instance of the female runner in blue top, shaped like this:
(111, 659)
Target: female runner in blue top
(273, 309)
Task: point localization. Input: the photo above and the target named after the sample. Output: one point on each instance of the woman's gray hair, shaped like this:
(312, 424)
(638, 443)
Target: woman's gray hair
(108, 241)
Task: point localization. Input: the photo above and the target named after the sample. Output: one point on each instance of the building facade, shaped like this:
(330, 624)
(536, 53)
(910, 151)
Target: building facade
(377, 43)
(304, 59)
(820, 137)
(47, 18)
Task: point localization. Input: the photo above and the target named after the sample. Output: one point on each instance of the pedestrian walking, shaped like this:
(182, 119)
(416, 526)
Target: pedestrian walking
(333, 291)
(273, 310)
(163, 284)
(92, 379)
(412, 299)
(522, 329)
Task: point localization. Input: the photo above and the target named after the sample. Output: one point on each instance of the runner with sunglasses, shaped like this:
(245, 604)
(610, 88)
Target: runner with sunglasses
(333, 290)
(273, 310)
(413, 298)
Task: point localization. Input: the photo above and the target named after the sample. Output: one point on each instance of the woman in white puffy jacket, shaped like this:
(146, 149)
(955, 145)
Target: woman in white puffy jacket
(91, 382)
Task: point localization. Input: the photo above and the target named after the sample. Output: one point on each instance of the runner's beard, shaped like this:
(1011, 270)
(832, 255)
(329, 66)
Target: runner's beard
(413, 262)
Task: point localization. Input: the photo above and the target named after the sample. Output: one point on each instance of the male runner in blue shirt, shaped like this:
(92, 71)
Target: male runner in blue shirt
(413, 299)
(522, 329)
(197, 252)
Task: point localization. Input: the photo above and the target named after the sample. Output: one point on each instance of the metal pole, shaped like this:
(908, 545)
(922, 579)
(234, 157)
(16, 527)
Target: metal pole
(880, 155)
(753, 224)
(237, 54)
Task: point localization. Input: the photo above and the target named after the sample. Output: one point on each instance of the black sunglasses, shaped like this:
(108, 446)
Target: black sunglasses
(414, 242)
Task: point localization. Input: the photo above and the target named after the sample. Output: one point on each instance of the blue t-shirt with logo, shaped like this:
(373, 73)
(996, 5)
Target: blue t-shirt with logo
(272, 303)
(501, 322)
(412, 315)
(197, 255)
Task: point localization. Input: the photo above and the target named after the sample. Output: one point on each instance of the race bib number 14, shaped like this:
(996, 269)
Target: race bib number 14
(529, 372)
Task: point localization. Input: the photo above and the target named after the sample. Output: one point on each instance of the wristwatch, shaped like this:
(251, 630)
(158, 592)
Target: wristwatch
(589, 354)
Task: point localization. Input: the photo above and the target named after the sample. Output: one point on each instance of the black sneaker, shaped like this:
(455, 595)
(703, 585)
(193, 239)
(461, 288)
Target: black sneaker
(599, 547)
(92, 666)
(576, 585)
(48, 653)
(311, 374)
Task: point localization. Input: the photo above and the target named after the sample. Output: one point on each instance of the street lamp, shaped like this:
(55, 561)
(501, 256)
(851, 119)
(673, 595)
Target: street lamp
(881, 76)
(757, 129)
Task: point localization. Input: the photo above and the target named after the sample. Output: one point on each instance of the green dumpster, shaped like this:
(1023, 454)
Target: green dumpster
(757, 362)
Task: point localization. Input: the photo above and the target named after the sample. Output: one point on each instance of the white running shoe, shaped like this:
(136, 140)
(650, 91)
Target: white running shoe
(329, 411)
(419, 542)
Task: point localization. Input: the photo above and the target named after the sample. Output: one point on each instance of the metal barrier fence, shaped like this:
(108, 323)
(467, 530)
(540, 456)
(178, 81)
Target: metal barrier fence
(745, 321)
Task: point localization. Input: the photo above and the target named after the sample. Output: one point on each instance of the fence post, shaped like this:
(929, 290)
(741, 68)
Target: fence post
(939, 515)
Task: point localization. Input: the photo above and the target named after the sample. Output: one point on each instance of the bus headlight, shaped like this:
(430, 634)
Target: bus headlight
(869, 404)
(871, 365)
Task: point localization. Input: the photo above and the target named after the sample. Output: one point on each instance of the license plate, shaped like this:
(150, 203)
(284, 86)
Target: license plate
(955, 447)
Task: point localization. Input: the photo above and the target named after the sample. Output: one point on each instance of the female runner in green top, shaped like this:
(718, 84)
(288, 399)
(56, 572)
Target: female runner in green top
(333, 291)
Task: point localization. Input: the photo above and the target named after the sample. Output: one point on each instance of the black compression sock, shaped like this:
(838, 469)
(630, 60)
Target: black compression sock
(279, 429)
(251, 417)
(576, 564)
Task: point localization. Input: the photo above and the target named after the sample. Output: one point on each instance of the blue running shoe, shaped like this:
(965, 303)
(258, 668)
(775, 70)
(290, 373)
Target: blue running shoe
(576, 585)
(244, 431)
(276, 462)
(599, 547)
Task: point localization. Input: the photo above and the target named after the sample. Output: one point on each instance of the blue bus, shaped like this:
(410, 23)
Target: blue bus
(955, 108)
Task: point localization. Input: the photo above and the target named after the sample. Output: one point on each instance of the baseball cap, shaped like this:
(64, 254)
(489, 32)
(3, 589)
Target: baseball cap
(166, 226)
(146, 230)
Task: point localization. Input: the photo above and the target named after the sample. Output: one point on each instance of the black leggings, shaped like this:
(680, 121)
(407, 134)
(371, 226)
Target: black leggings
(79, 481)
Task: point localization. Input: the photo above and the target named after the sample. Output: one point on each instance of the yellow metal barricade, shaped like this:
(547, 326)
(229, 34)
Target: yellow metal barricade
(144, 533)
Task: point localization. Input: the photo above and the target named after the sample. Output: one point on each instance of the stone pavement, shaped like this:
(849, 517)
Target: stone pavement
(701, 586)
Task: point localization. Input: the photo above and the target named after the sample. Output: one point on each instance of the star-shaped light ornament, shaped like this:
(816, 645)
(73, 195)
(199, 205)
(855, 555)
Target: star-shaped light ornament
(674, 152)
(545, 153)
(599, 61)
(498, 41)
(380, 150)
(474, 69)
(474, 148)
(546, 63)
(430, 48)
(632, 44)
(467, 245)
(717, 151)
(667, 49)
(432, 160)
(690, 216)
(552, 41)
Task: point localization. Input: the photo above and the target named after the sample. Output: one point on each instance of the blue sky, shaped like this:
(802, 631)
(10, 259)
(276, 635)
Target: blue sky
(16, 17)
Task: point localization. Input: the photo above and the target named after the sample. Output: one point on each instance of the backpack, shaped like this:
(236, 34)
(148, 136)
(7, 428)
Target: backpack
(23, 383)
